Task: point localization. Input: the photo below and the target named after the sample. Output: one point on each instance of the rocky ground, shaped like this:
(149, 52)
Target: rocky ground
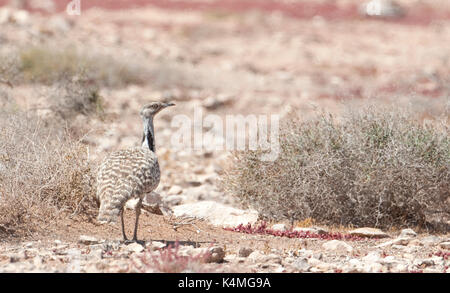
(232, 59)
(224, 251)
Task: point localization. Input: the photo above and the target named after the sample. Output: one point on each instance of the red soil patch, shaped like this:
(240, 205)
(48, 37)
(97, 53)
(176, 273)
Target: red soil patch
(420, 14)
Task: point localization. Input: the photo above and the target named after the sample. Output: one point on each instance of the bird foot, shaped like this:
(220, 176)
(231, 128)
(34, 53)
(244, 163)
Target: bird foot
(141, 242)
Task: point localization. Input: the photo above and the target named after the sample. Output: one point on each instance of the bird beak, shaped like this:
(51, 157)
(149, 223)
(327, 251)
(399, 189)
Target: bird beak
(169, 104)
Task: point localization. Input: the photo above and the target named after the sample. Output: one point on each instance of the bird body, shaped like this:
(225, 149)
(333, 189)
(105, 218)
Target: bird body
(124, 175)
(129, 174)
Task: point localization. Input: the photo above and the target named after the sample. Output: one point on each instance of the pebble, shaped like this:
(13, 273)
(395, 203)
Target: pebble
(369, 232)
(216, 255)
(445, 245)
(337, 246)
(245, 252)
(135, 247)
(279, 227)
(408, 233)
(88, 240)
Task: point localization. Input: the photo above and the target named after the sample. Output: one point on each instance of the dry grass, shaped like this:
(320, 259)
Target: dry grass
(43, 175)
(49, 65)
(374, 167)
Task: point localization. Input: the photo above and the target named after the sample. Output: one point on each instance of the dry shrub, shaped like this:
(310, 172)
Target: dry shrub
(43, 175)
(374, 168)
(74, 96)
(49, 65)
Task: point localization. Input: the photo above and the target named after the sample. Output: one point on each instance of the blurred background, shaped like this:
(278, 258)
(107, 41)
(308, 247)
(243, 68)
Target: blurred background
(92, 72)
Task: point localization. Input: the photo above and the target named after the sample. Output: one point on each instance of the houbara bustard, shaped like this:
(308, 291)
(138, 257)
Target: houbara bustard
(129, 173)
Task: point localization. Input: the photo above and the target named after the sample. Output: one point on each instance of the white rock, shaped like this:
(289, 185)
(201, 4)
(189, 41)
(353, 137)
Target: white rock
(337, 245)
(355, 262)
(369, 232)
(157, 245)
(301, 264)
(445, 245)
(135, 247)
(373, 256)
(431, 240)
(216, 213)
(398, 241)
(372, 267)
(175, 190)
(382, 9)
(311, 230)
(279, 227)
(408, 233)
(88, 240)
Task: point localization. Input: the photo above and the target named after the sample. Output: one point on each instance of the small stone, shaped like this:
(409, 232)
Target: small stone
(301, 264)
(175, 190)
(373, 267)
(382, 9)
(431, 240)
(445, 245)
(355, 262)
(423, 263)
(372, 256)
(398, 241)
(399, 268)
(279, 227)
(157, 245)
(135, 247)
(245, 252)
(408, 233)
(337, 245)
(415, 242)
(369, 232)
(88, 240)
(37, 260)
(216, 255)
(28, 244)
(311, 230)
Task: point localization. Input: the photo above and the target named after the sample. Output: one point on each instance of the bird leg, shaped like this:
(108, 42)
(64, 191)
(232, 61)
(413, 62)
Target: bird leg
(123, 225)
(138, 212)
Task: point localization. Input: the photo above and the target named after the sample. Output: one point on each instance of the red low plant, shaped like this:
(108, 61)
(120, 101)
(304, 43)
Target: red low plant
(169, 260)
(263, 230)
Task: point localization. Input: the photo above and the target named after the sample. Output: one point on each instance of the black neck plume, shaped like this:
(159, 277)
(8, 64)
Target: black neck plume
(149, 139)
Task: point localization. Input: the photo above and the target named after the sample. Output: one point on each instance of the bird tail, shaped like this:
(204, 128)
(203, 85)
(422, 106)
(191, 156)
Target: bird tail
(109, 211)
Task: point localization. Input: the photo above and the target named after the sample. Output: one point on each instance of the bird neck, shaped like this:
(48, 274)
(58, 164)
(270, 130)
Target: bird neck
(148, 139)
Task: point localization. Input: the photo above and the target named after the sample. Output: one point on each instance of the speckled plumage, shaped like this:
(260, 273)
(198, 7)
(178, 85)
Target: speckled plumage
(129, 174)
(124, 175)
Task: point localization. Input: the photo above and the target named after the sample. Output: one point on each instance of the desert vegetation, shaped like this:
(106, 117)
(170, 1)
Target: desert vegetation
(45, 170)
(48, 64)
(373, 167)
(348, 178)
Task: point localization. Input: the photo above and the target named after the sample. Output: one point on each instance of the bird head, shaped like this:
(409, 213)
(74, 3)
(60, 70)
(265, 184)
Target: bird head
(151, 109)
